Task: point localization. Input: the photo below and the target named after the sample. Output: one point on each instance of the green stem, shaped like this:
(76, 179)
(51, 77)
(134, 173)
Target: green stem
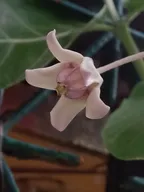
(131, 17)
(92, 25)
(112, 10)
(99, 27)
(122, 31)
(95, 22)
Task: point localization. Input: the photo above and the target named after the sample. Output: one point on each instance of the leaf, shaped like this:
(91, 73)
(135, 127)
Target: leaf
(134, 7)
(23, 27)
(123, 134)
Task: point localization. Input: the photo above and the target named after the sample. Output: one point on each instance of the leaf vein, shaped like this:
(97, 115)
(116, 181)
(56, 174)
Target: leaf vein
(32, 40)
(22, 21)
(10, 49)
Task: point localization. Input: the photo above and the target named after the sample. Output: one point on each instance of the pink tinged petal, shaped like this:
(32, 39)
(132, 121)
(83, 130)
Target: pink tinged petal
(75, 79)
(71, 77)
(63, 55)
(95, 107)
(44, 77)
(90, 73)
(62, 76)
(76, 94)
(64, 112)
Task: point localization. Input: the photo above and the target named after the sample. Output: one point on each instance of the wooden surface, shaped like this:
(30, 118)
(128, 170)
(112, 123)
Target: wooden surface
(65, 183)
(39, 176)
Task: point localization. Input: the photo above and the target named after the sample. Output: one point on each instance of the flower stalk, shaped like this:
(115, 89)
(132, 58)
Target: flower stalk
(122, 32)
(112, 10)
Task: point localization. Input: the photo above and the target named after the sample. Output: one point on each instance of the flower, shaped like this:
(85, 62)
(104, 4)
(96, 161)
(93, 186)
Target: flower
(76, 80)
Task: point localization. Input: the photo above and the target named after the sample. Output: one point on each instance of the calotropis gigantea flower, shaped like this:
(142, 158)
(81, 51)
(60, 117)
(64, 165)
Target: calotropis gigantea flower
(76, 80)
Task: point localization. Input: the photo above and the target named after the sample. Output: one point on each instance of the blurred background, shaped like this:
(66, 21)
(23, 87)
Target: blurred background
(99, 171)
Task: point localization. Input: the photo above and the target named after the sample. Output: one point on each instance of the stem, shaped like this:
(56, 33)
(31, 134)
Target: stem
(130, 17)
(95, 21)
(117, 48)
(99, 27)
(112, 9)
(122, 31)
(120, 62)
(91, 26)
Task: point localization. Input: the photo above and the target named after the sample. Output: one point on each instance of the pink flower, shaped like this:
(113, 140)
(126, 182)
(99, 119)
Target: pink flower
(77, 82)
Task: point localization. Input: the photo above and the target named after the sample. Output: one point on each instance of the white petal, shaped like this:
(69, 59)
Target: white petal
(63, 55)
(43, 77)
(64, 112)
(95, 107)
(88, 66)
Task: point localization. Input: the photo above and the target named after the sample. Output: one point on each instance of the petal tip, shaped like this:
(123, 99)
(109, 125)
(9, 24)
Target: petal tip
(51, 34)
(28, 76)
(26, 73)
(57, 127)
(56, 124)
(99, 115)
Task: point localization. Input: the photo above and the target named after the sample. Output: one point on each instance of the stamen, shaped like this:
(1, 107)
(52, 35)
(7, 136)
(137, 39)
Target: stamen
(61, 89)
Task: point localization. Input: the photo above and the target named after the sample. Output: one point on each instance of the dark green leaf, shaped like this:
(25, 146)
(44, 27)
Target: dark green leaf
(134, 6)
(124, 132)
(23, 27)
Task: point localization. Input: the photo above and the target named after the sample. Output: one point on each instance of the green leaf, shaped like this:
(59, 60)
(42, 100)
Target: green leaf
(23, 27)
(124, 132)
(134, 7)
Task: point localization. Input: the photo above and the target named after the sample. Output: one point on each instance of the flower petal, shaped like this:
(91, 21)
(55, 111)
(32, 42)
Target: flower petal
(95, 107)
(44, 77)
(90, 73)
(63, 55)
(64, 112)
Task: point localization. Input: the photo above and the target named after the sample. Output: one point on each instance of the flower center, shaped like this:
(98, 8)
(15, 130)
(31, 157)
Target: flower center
(71, 82)
(61, 89)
